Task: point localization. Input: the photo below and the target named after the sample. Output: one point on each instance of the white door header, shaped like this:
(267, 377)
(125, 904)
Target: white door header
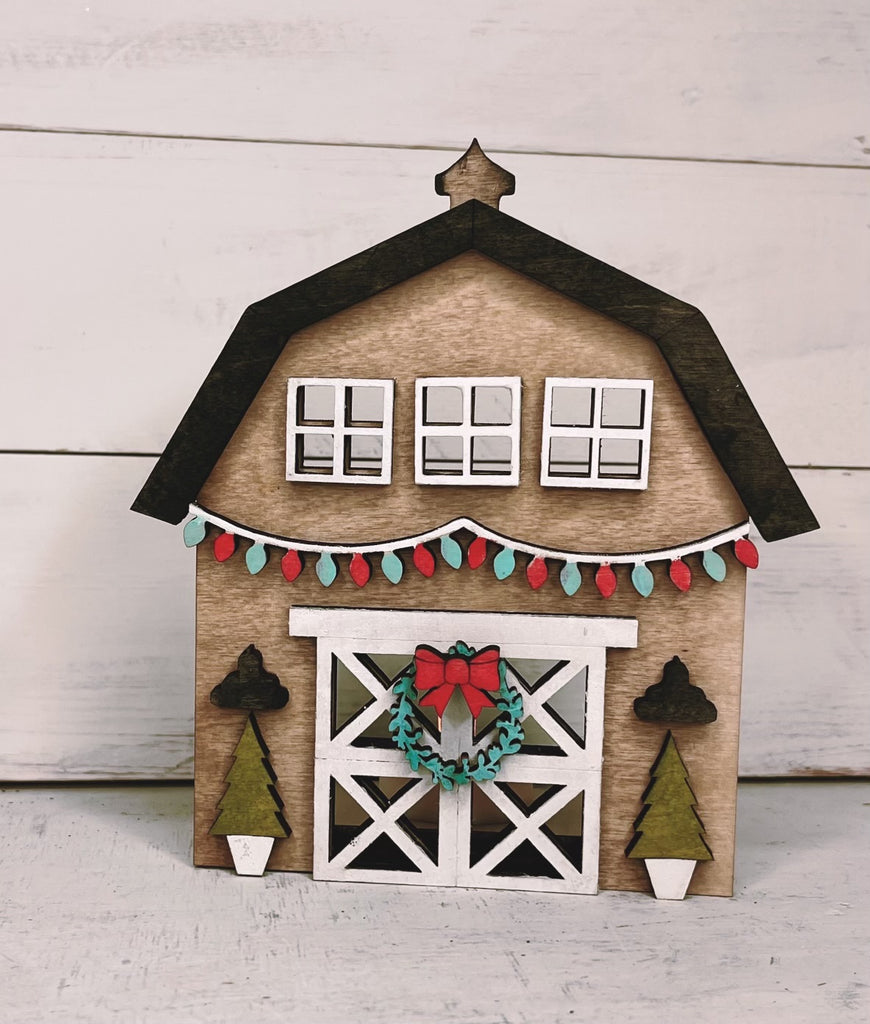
(474, 628)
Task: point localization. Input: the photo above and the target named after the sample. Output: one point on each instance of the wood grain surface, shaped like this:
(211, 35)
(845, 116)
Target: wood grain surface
(138, 935)
(515, 327)
(129, 258)
(735, 80)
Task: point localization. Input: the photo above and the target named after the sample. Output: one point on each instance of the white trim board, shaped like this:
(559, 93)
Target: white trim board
(553, 632)
(712, 540)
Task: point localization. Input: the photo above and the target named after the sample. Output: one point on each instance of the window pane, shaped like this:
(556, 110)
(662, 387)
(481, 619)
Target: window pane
(572, 407)
(491, 455)
(619, 457)
(316, 404)
(442, 405)
(568, 704)
(622, 407)
(314, 453)
(365, 406)
(363, 454)
(442, 455)
(570, 456)
(491, 406)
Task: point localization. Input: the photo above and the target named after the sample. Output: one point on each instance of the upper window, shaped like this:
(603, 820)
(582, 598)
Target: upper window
(468, 431)
(596, 432)
(339, 430)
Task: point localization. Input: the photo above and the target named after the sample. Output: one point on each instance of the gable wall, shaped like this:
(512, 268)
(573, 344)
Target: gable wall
(472, 317)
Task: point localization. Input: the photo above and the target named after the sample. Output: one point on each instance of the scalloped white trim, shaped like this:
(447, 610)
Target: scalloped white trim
(586, 557)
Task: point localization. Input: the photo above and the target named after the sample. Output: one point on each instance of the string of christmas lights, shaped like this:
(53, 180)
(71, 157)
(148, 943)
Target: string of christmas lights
(504, 563)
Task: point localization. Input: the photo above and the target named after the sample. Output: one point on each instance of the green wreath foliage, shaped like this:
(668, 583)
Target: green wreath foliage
(483, 765)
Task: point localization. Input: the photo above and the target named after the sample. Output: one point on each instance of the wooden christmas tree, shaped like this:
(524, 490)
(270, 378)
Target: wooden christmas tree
(250, 809)
(669, 835)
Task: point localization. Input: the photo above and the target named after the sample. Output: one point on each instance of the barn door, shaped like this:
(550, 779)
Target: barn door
(374, 818)
(534, 826)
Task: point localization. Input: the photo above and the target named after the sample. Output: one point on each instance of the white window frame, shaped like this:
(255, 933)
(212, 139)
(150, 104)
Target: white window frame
(340, 430)
(596, 433)
(467, 431)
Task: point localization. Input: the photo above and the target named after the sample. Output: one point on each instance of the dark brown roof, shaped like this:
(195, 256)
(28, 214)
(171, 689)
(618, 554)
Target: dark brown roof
(693, 352)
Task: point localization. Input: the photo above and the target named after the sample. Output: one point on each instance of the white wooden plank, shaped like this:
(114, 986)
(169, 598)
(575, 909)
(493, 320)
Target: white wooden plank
(136, 273)
(734, 79)
(133, 260)
(790, 945)
(806, 706)
(96, 624)
(96, 621)
(465, 523)
(530, 636)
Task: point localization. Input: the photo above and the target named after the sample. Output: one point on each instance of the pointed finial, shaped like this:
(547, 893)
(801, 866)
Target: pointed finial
(475, 176)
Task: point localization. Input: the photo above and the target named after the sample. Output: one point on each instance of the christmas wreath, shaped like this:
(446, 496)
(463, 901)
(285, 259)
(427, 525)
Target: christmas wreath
(475, 674)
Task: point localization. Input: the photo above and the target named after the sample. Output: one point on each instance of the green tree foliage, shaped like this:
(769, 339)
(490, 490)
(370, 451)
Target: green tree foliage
(251, 805)
(668, 825)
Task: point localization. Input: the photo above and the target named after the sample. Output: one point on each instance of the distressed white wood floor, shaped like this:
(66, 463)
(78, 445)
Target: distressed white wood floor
(103, 919)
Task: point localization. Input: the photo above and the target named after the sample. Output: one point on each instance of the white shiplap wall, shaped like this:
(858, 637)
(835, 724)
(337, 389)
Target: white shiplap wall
(161, 168)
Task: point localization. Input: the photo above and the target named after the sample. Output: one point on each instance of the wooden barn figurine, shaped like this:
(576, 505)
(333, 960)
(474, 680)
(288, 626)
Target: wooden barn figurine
(471, 511)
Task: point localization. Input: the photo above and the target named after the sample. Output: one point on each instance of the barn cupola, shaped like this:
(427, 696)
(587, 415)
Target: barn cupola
(475, 176)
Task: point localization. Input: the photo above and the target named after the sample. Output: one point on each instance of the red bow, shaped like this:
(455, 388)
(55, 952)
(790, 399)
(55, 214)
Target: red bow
(442, 673)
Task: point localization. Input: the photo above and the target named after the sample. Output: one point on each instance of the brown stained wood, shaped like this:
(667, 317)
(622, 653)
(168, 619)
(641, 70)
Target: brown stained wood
(516, 327)
(233, 607)
(693, 352)
(705, 626)
(522, 328)
(475, 176)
